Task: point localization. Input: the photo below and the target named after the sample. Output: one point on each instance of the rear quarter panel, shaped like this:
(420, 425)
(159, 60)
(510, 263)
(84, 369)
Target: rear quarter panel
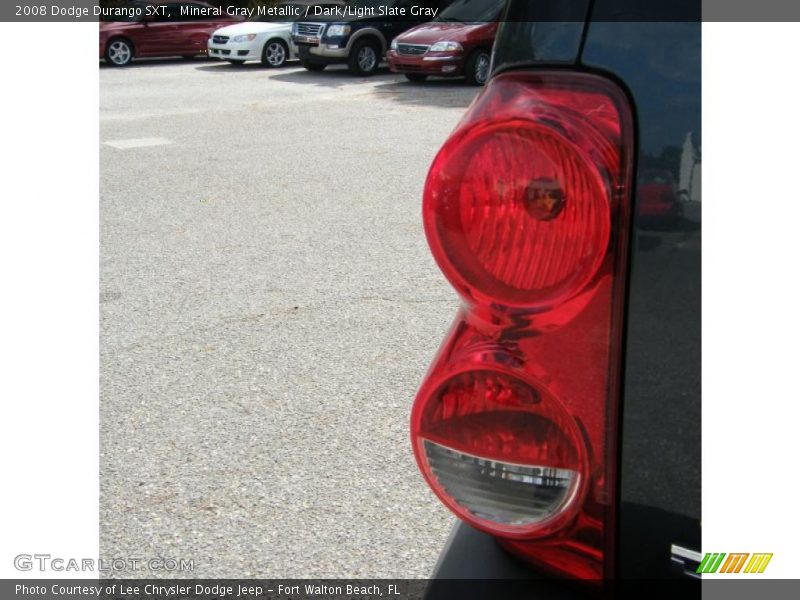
(659, 64)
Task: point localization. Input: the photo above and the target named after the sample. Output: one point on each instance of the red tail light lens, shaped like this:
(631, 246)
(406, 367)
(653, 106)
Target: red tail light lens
(526, 210)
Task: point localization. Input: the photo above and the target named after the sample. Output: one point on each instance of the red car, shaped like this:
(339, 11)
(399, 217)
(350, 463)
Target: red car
(658, 199)
(150, 29)
(458, 42)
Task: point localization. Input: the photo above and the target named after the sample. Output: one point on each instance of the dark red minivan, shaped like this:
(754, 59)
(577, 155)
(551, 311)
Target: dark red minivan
(153, 29)
(457, 43)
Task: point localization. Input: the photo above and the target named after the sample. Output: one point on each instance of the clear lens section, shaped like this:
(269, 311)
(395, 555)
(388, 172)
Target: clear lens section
(446, 46)
(503, 493)
(337, 30)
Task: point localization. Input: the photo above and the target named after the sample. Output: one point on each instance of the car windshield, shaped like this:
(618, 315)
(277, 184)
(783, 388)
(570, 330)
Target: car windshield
(471, 11)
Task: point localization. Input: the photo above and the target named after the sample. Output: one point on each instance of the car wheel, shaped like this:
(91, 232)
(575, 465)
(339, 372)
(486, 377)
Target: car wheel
(313, 66)
(119, 52)
(476, 71)
(274, 54)
(416, 77)
(364, 58)
(235, 62)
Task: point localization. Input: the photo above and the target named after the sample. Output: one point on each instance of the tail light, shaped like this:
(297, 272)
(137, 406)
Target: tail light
(526, 210)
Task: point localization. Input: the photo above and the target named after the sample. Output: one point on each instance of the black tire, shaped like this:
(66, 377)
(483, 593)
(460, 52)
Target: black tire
(476, 69)
(237, 63)
(275, 53)
(416, 77)
(365, 57)
(119, 52)
(313, 66)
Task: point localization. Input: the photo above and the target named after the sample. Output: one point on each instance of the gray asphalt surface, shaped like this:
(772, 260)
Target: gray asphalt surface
(268, 308)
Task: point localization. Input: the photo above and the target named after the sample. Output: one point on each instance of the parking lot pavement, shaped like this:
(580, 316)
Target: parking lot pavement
(268, 307)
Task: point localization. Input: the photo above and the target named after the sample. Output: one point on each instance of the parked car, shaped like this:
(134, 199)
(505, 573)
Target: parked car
(174, 29)
(560, 419)
(267, 38)
(361, 36)
(458, 42)
(659, 204)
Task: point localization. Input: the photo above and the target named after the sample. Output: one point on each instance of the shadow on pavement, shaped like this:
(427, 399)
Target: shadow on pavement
(158, 62)
(445, 93)
(334, 76)
(223, 66)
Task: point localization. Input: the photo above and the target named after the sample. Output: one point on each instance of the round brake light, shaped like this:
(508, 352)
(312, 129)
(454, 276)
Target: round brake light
(517, 211)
